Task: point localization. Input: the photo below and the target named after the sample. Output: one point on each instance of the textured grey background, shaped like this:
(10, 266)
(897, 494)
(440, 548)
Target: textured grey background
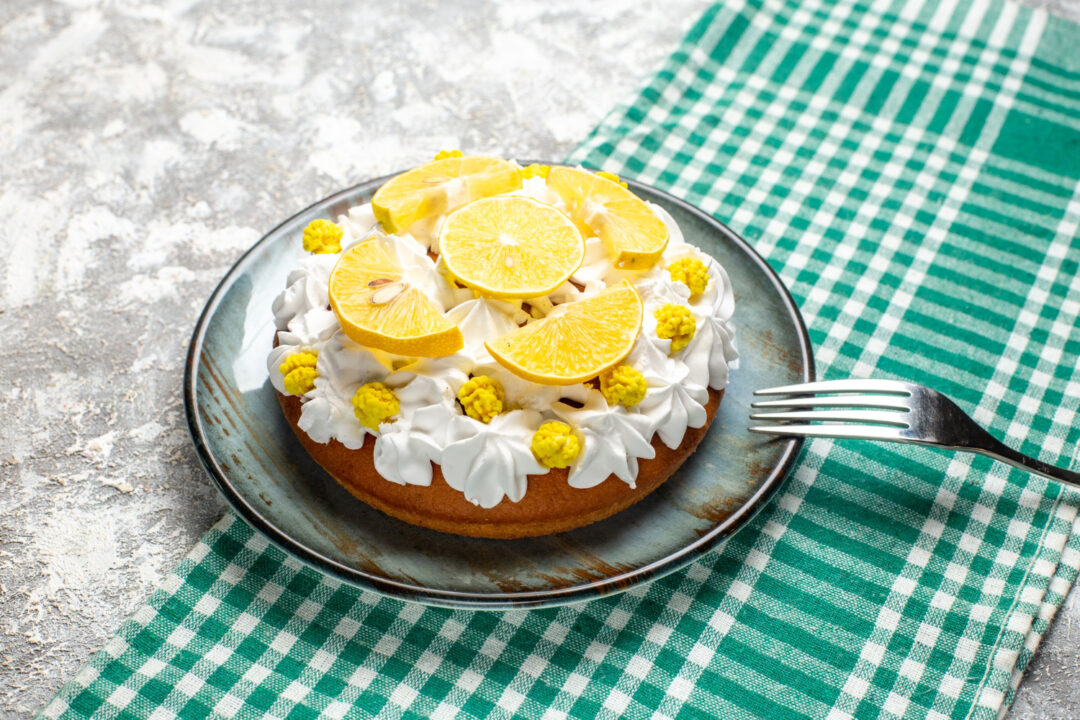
(143, 146)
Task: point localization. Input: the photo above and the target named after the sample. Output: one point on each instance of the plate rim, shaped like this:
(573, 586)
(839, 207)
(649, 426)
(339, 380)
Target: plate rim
(500, 600)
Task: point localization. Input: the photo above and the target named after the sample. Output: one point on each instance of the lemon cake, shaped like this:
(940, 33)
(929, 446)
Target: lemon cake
(501, 351)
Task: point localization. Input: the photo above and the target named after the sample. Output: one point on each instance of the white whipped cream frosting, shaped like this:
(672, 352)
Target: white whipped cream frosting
(492, 462)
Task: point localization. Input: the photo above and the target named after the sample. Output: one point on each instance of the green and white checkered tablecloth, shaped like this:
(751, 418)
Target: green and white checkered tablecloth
(913, 171)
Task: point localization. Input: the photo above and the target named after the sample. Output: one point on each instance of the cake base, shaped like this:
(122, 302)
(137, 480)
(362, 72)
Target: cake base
(550, 505)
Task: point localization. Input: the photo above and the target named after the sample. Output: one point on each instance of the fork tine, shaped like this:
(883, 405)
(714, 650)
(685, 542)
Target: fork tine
(883, 417)
(851, 432)
(870, 401)
(837, 386)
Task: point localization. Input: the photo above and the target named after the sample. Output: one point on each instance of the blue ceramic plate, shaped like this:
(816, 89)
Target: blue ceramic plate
(268, 478)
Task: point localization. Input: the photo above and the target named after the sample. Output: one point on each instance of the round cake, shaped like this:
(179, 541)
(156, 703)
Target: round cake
(501, 351)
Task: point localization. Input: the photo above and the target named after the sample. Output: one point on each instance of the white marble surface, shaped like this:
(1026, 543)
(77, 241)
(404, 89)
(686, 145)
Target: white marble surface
(143, 146)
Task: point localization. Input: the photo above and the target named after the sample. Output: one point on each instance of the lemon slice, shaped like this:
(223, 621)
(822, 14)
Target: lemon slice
(578, 341)
(441, 186)
(378, 308)
(510, 247)
(633, 236)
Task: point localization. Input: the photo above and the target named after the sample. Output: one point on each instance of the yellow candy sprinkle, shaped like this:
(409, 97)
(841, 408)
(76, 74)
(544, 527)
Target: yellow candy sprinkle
(322, 236)
(482, 397)
(675, 322)
(299, 372)
(623, 385)
(555, 445)
(301, 380)
(374, 403)
(535, 170)
(612, 177)
(443, 154)
(298, 360)
(692, 273)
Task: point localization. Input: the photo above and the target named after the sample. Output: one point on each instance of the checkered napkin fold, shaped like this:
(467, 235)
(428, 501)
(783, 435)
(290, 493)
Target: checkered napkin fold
(912, 172)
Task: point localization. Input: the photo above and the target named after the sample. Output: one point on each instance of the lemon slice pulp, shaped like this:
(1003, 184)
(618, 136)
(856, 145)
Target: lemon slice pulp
(578, 341)
(378, 308)
(510, 247)
(633, 236)
(441, 186)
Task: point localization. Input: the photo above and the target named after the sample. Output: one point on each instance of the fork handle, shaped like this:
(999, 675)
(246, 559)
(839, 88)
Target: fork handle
(998, 450)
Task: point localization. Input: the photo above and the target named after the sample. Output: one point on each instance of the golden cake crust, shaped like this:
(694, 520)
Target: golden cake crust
(550, 505)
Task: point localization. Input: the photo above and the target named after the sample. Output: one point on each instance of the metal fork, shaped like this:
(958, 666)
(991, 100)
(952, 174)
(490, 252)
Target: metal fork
(887, 410)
